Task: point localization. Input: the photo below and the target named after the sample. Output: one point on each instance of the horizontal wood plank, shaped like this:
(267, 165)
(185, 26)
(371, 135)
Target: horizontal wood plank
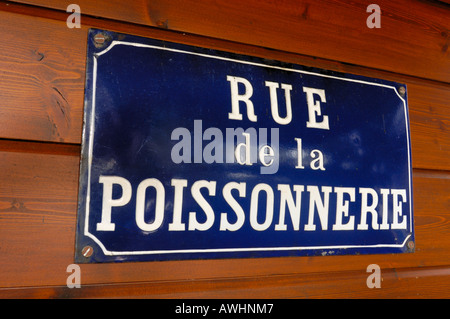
(42, 70)
(41, 80)
(42, 84)
(429, 112)
(426, 282)
(38, 203)
(413, 38)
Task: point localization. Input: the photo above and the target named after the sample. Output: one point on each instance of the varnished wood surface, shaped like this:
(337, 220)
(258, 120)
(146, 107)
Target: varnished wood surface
(413, 38)
(38, 214)
(42, 66)
(395, 283)
(42, 86)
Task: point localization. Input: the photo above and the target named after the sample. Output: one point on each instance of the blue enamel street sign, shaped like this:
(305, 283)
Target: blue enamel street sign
(191, 153)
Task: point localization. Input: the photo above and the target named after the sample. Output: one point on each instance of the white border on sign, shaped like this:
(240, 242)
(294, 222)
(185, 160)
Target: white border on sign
(249, 249)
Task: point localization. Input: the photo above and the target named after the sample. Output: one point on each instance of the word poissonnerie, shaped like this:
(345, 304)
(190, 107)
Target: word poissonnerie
(384, 206)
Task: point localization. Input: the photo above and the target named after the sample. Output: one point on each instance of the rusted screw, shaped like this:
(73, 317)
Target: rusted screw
(87, 251)
(411, 245)
(99, 39)
(402, 90)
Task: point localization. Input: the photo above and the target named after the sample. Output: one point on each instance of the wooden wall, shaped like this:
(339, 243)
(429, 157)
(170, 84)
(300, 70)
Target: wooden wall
(42, 70)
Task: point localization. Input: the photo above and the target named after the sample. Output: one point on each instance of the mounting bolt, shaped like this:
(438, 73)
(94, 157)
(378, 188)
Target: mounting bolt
(99, 38)
(411, 245)
(87, 251)
(402, 90)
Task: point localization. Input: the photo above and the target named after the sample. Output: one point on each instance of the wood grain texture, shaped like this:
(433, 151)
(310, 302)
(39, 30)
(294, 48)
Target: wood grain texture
(41, 78)
(426, 282)
(42, 84)
(42, 66)
(38, 203)
(429, 111)
(413, 38)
